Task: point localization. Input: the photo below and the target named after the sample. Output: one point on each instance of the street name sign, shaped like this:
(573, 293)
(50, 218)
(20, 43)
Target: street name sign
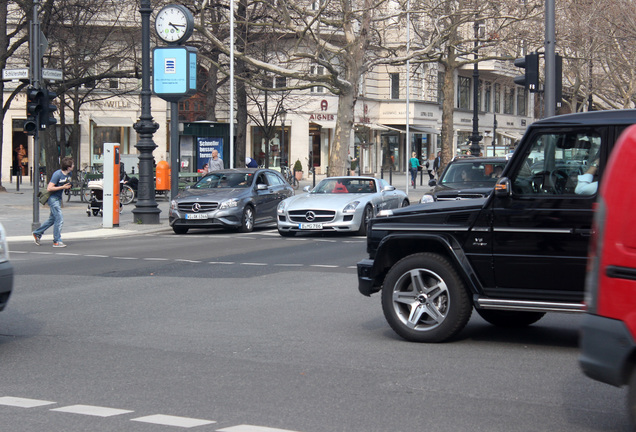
(15, 74)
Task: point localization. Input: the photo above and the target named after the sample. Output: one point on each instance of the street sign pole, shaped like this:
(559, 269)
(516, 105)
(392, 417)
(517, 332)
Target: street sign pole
(36, 81)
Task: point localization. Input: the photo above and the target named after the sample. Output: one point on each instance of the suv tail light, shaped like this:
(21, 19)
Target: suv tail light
(592, 280)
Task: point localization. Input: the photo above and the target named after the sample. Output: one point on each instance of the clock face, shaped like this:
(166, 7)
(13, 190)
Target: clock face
(173, 23)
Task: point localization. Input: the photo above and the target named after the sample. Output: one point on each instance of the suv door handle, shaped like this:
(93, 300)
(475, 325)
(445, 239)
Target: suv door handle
(585, 232)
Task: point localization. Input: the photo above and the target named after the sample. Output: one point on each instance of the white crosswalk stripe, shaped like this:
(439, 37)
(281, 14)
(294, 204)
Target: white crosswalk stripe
(92, 410)
(23, 402)
(251, 428)
(168, 420)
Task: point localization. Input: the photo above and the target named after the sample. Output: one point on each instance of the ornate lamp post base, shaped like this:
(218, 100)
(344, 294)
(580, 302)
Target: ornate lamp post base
(147, 210)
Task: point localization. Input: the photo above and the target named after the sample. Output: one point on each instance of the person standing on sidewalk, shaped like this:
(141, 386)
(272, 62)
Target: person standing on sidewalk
(415, 164)
(60, 180)
(215, 163)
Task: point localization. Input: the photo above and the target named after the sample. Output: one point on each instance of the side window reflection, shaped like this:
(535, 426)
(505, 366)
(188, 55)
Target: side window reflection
(560, 164)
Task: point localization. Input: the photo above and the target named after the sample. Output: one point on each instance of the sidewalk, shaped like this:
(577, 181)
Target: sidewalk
(16, 213)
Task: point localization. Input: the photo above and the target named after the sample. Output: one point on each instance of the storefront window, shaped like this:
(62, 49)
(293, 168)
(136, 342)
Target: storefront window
(391, 152)
(110, 134)
(273, 148)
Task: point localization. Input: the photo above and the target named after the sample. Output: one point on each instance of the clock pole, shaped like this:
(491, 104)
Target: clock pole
(146, 210)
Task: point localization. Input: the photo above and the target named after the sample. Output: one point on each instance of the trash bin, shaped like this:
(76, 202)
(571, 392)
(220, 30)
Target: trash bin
(163, 176)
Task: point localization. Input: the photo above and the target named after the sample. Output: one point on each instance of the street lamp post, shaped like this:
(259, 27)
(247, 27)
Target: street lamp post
(146, 210)
(475, 149)
(283, 117)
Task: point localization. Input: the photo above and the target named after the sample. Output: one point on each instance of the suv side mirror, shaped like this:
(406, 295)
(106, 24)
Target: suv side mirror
(432, 183)
(502, 188)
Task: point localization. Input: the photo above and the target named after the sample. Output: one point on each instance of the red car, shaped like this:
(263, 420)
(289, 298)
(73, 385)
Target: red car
(608, 347)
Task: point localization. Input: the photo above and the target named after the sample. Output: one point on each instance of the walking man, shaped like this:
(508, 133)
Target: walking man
(216, 163)
(60, 180)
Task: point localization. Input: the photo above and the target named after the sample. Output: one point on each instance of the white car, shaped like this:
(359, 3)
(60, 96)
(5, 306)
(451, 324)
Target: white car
(338, 204)
(6, 270)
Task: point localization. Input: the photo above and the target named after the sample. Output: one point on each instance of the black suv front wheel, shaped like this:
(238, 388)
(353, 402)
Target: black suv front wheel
(424, 299)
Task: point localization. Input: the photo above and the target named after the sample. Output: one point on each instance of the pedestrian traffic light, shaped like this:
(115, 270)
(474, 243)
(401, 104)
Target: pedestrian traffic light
(34, 108)
(530, 80)
(48, 109)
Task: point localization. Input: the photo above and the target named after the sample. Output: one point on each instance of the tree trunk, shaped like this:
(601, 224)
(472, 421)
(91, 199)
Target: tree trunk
(344, 126)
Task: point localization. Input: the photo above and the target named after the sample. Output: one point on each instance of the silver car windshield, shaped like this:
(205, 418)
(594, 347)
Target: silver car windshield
(345, 186)
(225, 180)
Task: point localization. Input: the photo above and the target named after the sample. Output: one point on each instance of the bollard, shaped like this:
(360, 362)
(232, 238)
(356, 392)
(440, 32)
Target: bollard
(390, 175)
(11, 174)
(313, 173)
(422, 178)
(382, 173)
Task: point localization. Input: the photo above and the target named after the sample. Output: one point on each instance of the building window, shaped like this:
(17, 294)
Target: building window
(113, 83)
(497, 95)
(317, 70)
(395, 85)
(522, 101)
(280, 82)
(487, 97)
(463, 92)
(509, 100)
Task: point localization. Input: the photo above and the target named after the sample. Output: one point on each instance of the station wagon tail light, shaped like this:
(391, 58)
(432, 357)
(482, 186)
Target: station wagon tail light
(351, 207)
(592, 279)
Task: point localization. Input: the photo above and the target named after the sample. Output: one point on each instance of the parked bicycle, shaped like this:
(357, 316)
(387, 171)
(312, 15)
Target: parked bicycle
(289, 176)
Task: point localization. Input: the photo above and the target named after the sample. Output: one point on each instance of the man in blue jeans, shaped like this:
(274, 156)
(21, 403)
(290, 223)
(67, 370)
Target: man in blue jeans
(60, 180)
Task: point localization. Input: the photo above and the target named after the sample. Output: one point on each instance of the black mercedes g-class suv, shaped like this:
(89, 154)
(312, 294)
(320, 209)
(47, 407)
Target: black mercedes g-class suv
(513, 256)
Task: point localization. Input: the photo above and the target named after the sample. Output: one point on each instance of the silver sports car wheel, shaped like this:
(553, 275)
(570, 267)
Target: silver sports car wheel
(424, 299)
(366, 217)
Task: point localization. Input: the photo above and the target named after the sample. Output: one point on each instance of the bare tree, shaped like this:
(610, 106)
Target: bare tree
(12, 39)
(95, 43)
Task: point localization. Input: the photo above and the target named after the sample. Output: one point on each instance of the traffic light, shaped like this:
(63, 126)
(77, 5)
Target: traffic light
(34, 109)
(530, 80)
(48, 109)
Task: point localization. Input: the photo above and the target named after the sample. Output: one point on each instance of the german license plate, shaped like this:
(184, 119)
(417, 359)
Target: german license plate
(197, 216)
(310, 226)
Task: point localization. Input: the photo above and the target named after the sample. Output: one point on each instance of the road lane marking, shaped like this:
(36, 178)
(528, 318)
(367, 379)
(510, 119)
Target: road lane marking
(186, 260)
(253, 264)
(168, 420)
(97, 256)
(156, 259)
(23, 402)
(221, 262)
(324, 266)
(126, 258)
(92, 410)
(252, 428)
(289, 265)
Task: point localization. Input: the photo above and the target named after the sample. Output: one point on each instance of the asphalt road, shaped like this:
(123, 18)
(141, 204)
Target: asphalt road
(258, 333)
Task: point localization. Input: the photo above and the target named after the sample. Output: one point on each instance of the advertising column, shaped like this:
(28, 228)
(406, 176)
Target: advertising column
(111, 185)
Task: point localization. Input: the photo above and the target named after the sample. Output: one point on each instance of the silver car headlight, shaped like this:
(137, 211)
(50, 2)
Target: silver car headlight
(351, 207)
(281, 207)
(229, 204)
(4, 246)
(173, 205)
(427, 199)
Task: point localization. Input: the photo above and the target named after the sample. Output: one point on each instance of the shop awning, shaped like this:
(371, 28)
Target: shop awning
(510, 135)
(412, 129)
(112, 121)
(372, 126)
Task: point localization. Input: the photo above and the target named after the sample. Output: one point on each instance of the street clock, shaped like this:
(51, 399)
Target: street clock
(174, 24)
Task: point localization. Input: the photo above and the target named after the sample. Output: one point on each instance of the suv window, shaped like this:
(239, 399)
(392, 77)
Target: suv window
(555, 164)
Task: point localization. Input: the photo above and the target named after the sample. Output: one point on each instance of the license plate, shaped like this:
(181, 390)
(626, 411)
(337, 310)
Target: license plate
(310, 226)
(197, 216)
